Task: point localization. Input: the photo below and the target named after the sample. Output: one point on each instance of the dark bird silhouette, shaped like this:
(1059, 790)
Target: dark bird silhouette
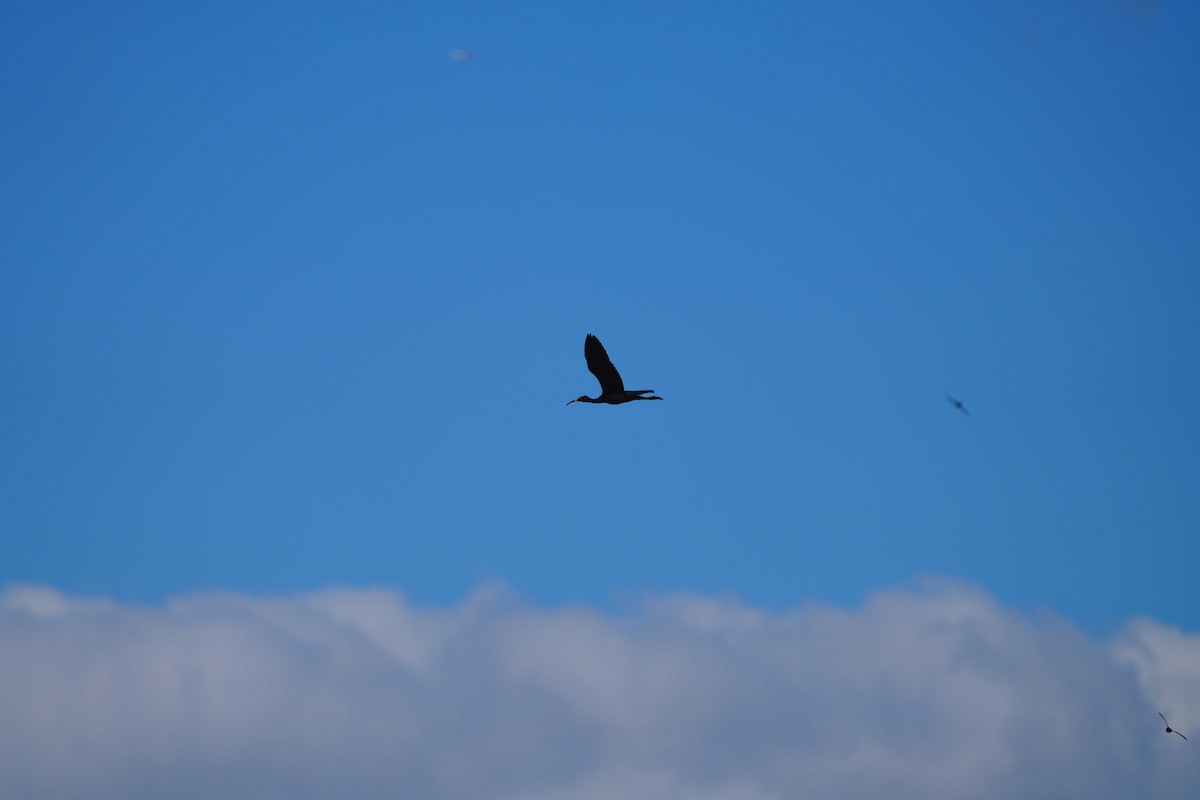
(1170, 729)
(958, 404)
(612, 388)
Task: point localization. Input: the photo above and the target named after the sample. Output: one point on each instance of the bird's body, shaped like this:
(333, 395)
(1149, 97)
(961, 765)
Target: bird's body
(1170, 729)
(612, 388)
(958, 404)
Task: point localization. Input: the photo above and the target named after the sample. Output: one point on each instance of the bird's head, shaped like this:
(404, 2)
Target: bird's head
(582, 397)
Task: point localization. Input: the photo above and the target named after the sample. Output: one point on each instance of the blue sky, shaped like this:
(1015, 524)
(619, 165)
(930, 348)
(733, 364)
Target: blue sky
(292, 302)
(291, 299)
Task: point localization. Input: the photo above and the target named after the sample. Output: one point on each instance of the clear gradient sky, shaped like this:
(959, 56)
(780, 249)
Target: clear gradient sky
(292, 299)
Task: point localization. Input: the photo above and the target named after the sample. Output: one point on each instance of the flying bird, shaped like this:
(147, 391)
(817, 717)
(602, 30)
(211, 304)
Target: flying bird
(612, 388)
(958, 404)
(1170, 729)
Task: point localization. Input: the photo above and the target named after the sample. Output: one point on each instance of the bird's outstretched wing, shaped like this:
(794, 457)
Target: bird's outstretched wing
(1175, 731)
(1164, 719)
(602, 367)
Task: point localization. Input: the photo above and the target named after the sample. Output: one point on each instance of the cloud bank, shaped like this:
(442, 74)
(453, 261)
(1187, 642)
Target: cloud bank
(932, 691)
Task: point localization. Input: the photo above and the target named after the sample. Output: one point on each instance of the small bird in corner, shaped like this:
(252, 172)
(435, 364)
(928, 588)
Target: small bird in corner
(1170, 729)
(958, 404)
(612, 388)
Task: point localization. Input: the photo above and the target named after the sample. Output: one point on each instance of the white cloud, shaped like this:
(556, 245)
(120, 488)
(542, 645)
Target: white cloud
(929, 692)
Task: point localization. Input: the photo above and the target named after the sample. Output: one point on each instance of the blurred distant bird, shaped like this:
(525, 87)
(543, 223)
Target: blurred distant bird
(1170, 729)
(460, 55)
(612, 388)
(958, 404)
